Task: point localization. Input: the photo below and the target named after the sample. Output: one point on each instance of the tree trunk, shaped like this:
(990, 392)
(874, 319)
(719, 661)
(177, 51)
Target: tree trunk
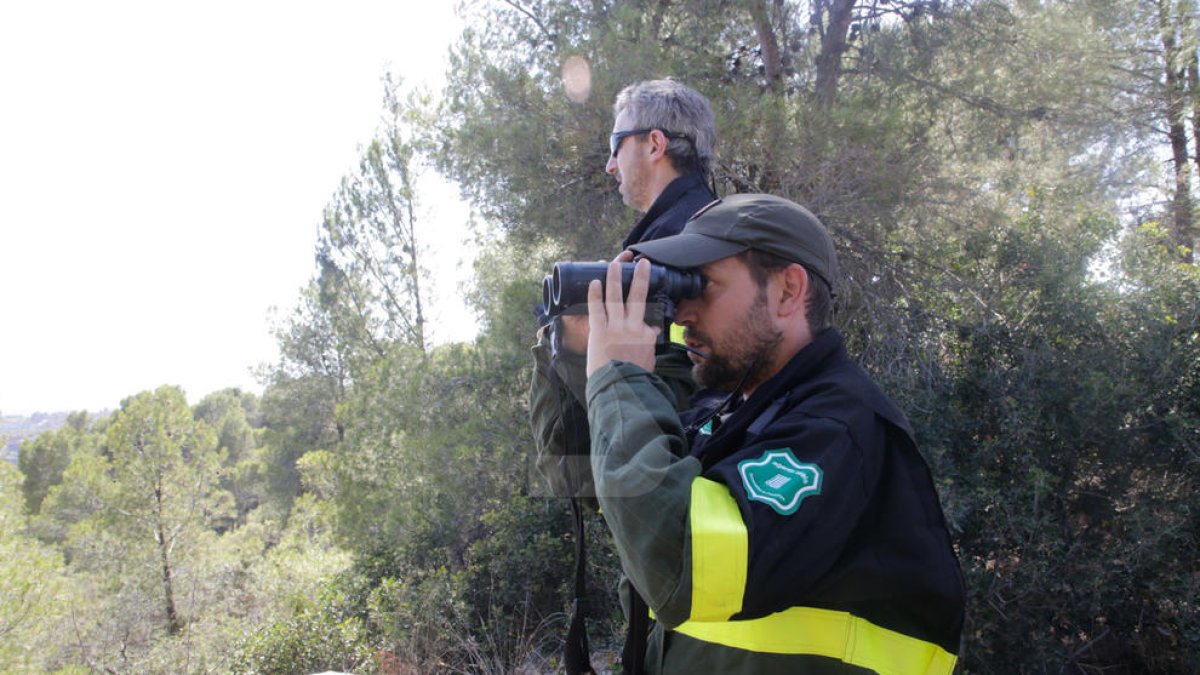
(833, 45)
(414, 268)
(656, 19)
(1193, 98)
(173, 624)
(772, 60)
(1176, 98)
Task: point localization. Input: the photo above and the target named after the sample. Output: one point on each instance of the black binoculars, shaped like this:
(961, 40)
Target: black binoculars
(568, 285)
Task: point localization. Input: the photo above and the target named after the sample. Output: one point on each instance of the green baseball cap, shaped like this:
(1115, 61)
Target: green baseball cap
(748, 221)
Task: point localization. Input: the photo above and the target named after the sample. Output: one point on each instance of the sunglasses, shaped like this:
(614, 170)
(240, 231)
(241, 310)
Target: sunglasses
(615, 139)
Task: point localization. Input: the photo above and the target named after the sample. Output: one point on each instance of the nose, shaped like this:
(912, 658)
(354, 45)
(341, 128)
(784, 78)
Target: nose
(685, 311)
(611, 167)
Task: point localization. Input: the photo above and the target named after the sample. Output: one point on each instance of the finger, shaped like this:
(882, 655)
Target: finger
(596, 314)
(624, 256)
(613, 300)
(636, 306)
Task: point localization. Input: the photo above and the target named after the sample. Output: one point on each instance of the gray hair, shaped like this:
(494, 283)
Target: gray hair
(670, 106)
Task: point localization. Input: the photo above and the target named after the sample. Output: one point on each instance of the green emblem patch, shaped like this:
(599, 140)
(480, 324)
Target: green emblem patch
(778, 480)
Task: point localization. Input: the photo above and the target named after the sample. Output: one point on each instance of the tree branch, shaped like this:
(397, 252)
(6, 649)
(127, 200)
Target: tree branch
(550, 37)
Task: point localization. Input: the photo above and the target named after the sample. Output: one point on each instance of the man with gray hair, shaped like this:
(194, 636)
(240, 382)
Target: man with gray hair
(661, 154)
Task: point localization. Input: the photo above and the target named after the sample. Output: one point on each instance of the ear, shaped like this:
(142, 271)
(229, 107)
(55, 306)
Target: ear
(792, 290)
(658, 144)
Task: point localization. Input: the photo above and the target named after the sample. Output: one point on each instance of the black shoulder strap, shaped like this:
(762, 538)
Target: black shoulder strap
(576, 651)
(633, 655)
(767, 416)
(577, 654)
(710, 454)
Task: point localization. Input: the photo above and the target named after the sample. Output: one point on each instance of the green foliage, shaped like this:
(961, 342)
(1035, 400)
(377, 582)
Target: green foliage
(428, 484)
(165, 472)
(520, 563)
(34, 591)
(519, 582)
(1066, 472)
(507, 286)
(371, 275)
(44, 458)
(299, 414)
(233, 415)
(431, 444)
(420, 618)
(235, 418)
(318, 636)
(139, 527)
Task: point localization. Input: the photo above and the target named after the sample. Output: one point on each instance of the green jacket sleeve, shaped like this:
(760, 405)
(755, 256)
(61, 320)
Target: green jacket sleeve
(643, 480)
(562, 452)
(567, 474)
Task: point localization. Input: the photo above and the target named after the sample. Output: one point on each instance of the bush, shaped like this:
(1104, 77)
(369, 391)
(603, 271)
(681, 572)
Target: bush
(326, 635)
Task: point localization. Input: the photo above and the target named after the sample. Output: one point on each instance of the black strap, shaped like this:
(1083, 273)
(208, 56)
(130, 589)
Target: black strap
(576, 442)
(577, 651)
(767, 416)
(633, 656)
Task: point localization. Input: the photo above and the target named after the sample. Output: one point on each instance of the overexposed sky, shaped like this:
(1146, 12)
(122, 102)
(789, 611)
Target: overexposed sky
(163, 168)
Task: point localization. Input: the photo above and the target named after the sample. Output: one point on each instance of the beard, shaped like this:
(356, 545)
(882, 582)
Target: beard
(748, 353)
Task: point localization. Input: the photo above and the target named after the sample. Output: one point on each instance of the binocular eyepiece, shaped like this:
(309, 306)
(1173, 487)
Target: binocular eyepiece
(568, 284)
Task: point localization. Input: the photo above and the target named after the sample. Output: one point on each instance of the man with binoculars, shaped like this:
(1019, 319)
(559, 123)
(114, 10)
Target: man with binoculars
(661, 153)
(791, 527)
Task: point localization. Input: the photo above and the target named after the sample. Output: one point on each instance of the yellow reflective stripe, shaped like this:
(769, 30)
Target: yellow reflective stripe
(676, 333)
(720, 552)
(824, 632)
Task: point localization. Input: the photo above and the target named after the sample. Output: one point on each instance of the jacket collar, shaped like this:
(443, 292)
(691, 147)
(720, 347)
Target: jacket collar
(674, 190)
(826, 349)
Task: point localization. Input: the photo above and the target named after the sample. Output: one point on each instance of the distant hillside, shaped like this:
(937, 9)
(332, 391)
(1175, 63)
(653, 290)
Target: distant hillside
(17, 429)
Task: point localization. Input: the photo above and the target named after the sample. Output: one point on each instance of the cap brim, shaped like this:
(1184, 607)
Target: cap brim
(688, 249)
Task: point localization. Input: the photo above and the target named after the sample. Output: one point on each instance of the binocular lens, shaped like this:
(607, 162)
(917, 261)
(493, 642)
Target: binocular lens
(567, 284)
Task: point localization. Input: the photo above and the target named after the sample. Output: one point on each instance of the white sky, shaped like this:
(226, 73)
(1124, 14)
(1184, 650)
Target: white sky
(163, 168)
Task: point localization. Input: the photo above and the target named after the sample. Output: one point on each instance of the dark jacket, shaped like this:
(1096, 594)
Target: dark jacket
(682, 198)
(556, 389)
(802, 534)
